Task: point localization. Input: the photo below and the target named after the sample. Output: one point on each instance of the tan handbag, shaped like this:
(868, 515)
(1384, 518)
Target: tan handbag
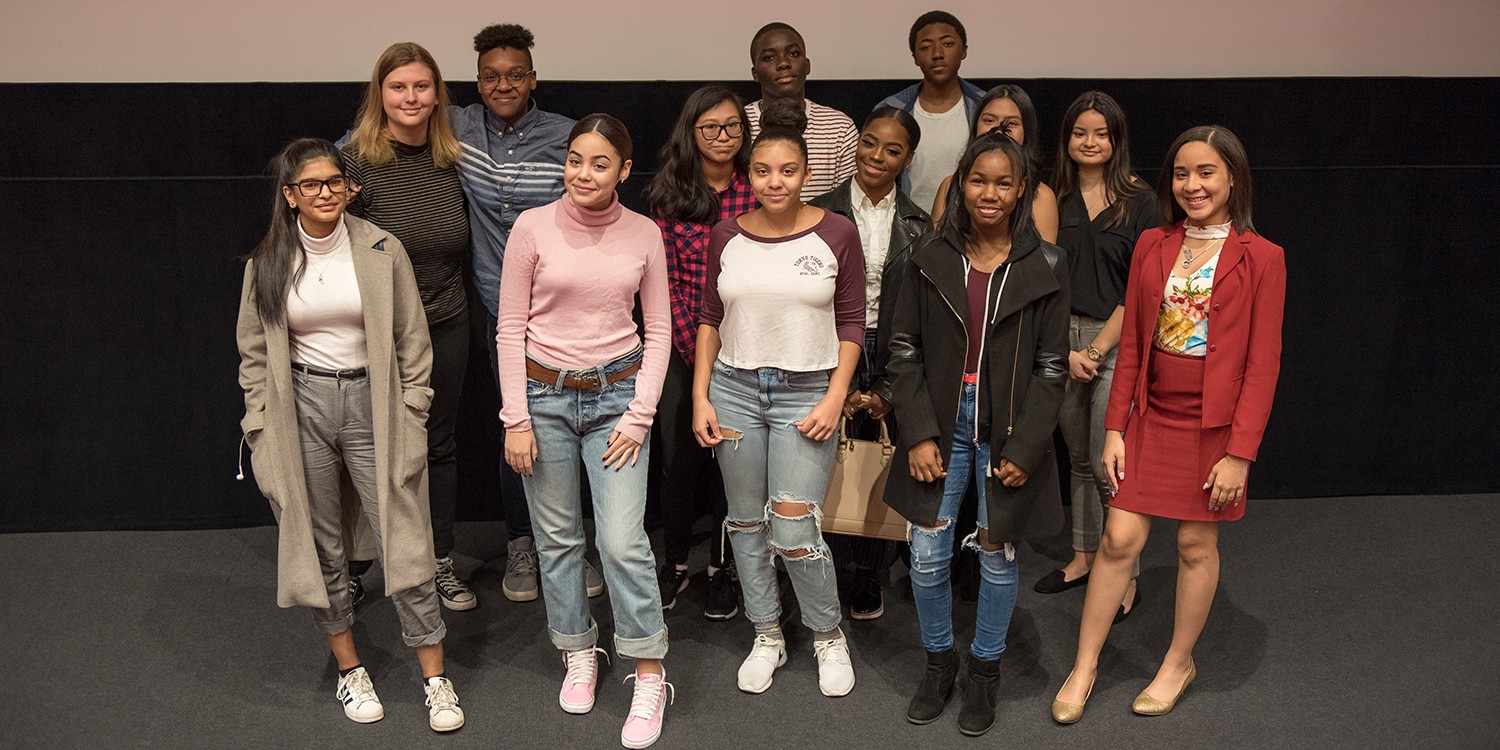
(855, 501)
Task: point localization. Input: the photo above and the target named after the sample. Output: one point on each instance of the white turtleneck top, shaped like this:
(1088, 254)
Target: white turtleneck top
(324, 315)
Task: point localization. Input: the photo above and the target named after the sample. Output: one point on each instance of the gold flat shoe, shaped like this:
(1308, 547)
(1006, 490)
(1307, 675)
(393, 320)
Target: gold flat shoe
(1145, 705)
(1067, 713)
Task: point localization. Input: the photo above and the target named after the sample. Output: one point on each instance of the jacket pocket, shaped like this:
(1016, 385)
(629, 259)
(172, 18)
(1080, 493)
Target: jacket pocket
(413, 432)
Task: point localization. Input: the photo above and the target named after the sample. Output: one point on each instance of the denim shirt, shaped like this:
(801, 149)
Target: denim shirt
(505, 170)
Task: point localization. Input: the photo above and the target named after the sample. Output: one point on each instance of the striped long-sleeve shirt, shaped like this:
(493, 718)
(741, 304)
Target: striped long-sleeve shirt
(506, 169)
(423, 206)
(831, 139)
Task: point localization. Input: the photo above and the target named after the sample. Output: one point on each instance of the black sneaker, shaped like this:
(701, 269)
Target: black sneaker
(452, 591)
(866, 601)
(723, 601)
(356, 591)
(672, 581)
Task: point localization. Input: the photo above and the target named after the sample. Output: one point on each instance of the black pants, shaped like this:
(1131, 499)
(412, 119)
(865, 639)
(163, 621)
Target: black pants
(512, 493)
(450, 360)
(690, 480)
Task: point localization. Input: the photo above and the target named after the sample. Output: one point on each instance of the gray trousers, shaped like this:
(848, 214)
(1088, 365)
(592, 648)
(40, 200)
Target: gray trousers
(337, 434)
(1081, 420)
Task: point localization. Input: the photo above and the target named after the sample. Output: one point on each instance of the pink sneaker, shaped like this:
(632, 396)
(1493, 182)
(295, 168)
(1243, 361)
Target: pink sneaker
(577, 695)
(647, 709)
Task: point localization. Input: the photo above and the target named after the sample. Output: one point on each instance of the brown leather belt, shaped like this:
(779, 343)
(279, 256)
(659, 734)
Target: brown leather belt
(537, 371)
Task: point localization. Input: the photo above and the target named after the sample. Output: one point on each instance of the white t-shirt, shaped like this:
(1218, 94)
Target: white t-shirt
(944, 136)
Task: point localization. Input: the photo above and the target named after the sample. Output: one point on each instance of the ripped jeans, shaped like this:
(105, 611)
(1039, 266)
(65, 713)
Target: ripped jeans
(932, 552)
(774, 480)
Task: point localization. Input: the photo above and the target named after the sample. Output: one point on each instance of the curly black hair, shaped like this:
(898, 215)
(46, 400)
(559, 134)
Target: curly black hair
(507, 35)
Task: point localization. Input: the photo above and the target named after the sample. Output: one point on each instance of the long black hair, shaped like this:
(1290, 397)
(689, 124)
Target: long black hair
(678, 190)
(1120, 183)
(279, 261)
(956, 222)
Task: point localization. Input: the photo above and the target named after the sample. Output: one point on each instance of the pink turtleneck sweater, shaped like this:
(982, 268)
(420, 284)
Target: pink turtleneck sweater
(567, 292)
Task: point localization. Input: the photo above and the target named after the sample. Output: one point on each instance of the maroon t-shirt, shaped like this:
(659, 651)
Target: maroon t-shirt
(978, 288)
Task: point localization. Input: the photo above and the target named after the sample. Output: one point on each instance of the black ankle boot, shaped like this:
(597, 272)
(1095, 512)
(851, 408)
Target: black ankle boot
(980, 684)
(936, 687)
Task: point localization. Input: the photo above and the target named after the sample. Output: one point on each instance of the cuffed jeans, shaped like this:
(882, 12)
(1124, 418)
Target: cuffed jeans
(336, 431)
(572, 427)
(932, 552)
(1081, 420)
(772, 461)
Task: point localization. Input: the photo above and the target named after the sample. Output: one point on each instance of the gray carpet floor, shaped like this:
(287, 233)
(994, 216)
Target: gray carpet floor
(1343, 622)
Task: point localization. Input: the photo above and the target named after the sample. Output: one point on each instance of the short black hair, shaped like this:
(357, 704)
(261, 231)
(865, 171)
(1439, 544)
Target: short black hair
(936, 16)
(770, 27)
(507, 35)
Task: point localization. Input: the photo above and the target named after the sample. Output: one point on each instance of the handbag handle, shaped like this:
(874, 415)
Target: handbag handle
(885, 432)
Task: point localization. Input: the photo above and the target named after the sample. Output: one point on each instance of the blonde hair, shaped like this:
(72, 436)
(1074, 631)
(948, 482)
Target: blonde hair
(372, 139)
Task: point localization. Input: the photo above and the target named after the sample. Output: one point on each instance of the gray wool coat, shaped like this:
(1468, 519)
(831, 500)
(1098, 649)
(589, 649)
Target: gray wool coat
(400, 363)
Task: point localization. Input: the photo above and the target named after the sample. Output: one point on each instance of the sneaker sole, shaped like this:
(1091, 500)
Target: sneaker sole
(854, 615)
(575, 708)
(718, 617)
(638, 744)
(836, 695)
(595, 592)
(436, 728)
(461, 606)
(519, 596)
(372, 720)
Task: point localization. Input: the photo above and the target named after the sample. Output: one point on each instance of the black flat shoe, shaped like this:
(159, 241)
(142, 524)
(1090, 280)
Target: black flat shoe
(1135, 601)
(1055, 583)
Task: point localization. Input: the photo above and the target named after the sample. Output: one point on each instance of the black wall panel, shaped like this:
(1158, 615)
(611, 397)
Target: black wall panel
(126, 205)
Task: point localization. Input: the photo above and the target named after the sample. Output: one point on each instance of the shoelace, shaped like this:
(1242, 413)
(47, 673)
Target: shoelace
(765, 648)
(357, 684)
(582, 665)
(826, 651)
(446, 578)
(521, 561)
(647, 699)
(441, 695)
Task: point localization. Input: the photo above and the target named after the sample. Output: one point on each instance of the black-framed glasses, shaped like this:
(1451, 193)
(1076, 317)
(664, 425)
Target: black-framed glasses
(314, 188)
(490, 79)
(712, 130)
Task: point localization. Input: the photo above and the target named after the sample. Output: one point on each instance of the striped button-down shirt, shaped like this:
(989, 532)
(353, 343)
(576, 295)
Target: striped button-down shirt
(505, 170)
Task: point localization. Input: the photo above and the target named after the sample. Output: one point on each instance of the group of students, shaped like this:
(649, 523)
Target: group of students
(794, 272)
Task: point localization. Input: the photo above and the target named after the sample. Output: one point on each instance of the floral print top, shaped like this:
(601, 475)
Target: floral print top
(1182, 323)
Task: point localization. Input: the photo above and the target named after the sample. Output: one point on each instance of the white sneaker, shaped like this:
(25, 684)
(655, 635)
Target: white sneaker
(443, 713)
(357, 693)
(765, 656)
(835, 672)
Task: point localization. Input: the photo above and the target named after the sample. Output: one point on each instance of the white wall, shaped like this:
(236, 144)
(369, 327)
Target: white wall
(282, 40)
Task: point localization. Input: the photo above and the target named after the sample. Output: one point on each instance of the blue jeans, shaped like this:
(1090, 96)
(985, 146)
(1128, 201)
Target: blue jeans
(572, 427)
(775, 462)
(932, 552)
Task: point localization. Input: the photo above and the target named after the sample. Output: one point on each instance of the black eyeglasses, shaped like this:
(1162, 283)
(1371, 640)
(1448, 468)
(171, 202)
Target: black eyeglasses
(490, 79)
(313, 188)
(712, 130)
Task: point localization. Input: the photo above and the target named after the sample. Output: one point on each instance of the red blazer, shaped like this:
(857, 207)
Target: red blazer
(1244, 333)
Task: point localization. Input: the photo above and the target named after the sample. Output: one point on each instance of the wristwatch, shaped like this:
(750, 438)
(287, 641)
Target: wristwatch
(1094, 355)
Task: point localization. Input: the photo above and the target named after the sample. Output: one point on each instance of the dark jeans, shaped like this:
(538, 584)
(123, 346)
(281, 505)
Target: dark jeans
(512, 494)
(690, 481)
(450, 359)
(863, 552)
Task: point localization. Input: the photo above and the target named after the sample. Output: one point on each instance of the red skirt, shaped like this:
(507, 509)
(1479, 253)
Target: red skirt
(1168, 452)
